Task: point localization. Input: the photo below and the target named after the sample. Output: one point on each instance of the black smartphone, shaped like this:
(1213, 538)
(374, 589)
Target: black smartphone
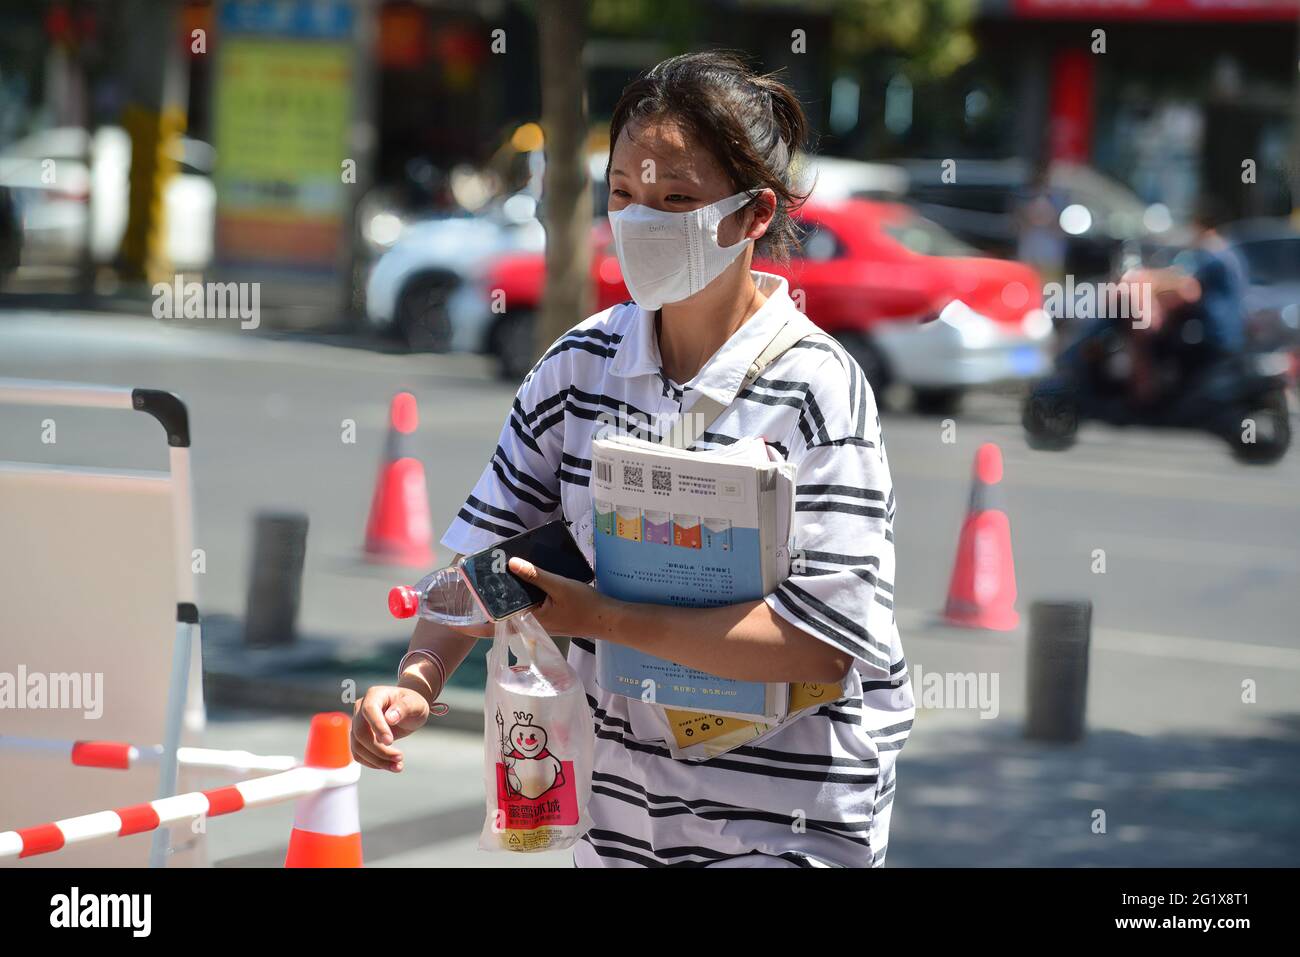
(499, 591)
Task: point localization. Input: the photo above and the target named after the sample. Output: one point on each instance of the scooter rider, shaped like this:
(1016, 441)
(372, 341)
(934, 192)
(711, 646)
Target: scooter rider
(1213, 327)
(1197, 318)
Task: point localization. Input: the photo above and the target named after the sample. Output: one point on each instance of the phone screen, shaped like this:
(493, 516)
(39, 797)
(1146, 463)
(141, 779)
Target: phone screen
(550, 547)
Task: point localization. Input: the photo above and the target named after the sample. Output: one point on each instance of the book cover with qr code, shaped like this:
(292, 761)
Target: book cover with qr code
(699, 529)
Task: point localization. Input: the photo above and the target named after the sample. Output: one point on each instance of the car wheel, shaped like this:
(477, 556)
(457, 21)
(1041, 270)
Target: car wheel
(513, 345)
(1272, 433)
(938, 401)
(422, 319)
(865, 354)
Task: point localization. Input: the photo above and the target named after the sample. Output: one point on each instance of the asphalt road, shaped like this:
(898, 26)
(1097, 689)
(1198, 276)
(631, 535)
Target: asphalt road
(1198, 594)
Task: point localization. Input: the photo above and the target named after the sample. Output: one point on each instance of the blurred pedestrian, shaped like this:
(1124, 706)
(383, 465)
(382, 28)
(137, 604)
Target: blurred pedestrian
(1041, 242)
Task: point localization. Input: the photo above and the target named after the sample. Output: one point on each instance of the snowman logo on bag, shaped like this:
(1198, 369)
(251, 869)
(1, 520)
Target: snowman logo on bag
(531, 770)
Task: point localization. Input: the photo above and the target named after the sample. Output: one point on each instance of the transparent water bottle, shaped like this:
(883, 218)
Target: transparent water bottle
(440, 596)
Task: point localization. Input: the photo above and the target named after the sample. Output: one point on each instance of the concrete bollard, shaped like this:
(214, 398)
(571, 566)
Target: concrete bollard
(275, 579)
(1059, 635)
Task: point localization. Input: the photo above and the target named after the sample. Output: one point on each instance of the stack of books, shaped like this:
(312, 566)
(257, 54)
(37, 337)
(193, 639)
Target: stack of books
(695, 529)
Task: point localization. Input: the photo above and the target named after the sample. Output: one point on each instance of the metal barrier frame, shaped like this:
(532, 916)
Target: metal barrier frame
(186, 672)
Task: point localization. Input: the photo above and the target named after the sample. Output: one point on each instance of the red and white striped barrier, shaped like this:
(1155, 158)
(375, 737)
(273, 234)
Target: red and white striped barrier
(285, 786)
(326, 781)
(121, 756)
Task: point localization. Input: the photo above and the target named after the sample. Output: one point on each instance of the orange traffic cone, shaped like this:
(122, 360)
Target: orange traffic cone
(982, 593)
(326, 824)
(400, 531)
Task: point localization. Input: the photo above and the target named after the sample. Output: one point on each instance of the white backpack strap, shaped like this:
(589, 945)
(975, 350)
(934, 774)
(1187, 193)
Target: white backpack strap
(683, 433)
(706, 410)
(792, 331)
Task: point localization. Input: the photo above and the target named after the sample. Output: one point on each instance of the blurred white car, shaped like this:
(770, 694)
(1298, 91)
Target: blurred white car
(58, 198)
(833, 179)
(416, 290)
(426, 289)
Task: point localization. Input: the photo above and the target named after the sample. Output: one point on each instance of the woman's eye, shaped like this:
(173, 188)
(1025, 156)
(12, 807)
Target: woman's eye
(621, 194)
(676, 198)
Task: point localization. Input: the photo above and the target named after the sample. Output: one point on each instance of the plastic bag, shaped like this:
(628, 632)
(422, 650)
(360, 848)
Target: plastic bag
(538, 743)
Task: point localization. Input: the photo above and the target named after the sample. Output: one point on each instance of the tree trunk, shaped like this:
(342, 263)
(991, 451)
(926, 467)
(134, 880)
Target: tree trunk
(566, 188)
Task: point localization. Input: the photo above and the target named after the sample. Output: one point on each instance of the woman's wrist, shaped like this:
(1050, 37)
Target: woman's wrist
(422, 678)
(616, 620)
(424, 672)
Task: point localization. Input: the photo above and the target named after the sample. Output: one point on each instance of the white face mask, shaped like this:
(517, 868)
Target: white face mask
(668, 257)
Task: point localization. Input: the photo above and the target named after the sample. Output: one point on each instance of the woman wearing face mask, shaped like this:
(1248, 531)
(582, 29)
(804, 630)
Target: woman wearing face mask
(699, 172)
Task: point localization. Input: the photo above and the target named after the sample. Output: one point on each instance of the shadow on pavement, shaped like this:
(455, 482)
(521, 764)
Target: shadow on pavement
(1173, 800)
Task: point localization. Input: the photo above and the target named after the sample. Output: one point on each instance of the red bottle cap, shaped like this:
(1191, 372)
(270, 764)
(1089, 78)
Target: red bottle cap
(403, 601)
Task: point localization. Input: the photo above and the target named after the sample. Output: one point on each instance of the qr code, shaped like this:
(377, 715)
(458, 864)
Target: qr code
(661, 480)
(633, 476)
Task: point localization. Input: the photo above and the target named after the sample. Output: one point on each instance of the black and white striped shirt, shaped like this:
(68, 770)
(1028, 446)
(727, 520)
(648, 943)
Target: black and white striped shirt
(819, 790)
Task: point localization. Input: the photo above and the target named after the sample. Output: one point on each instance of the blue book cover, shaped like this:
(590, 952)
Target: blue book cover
(691, 529)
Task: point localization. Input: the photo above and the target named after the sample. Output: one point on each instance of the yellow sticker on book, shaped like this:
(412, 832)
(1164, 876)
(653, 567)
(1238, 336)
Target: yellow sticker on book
(690, 728)
(806, 694)
(694, 727)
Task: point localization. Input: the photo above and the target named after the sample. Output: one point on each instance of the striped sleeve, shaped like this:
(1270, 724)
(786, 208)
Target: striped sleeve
(841, 585)
(520, 486)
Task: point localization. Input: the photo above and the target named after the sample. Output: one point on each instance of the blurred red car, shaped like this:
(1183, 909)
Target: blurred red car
(908, 300)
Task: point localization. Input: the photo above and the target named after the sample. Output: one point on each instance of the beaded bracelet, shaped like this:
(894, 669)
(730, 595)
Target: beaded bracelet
(437, 709)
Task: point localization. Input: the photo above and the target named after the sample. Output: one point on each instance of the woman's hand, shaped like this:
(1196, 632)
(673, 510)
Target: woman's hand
(386, 713)
(571, 608)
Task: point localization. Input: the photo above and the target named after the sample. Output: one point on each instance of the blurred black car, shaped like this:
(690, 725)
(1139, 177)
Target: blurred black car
(980, 201)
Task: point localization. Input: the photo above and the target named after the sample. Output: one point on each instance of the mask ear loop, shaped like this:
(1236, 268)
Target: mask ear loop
(755, 193)
(758, 192)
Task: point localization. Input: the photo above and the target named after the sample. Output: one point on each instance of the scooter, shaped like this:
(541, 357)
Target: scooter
(1242, 399)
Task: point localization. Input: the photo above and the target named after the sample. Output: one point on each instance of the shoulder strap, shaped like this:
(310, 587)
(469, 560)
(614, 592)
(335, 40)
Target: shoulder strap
(706, 410)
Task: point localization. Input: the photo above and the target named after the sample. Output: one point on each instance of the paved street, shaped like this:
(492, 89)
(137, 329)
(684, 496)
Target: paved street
(1199, 594)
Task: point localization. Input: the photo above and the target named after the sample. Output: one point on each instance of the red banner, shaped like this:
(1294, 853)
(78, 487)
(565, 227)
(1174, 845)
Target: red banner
(1215, 10)
(1072, 102)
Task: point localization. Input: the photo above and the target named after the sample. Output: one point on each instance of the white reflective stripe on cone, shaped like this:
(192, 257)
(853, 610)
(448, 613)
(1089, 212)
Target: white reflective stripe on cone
(333, 811)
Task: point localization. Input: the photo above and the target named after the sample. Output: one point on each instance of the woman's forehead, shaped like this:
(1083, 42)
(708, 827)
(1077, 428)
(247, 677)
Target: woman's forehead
(676, 156)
